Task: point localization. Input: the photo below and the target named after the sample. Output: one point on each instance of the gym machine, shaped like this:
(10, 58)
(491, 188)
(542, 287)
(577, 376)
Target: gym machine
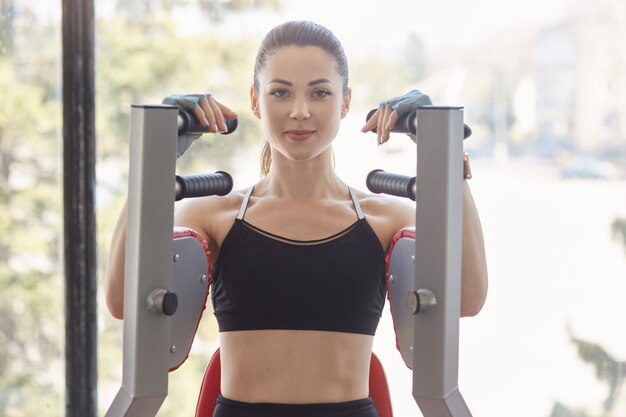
(167, 273)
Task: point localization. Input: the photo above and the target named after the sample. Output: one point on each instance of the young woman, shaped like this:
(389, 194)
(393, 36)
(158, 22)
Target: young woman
(299, 258)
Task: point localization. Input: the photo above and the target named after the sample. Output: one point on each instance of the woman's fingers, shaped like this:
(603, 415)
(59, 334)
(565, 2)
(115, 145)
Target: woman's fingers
(228, 113)
(383, 119)
(199, 112)
(209, 113)
(392, 120)
(371, 123)
(383, 125)
(214, 113)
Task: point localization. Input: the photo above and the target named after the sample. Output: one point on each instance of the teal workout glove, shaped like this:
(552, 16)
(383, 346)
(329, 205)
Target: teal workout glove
(407, 103)
(187, 103)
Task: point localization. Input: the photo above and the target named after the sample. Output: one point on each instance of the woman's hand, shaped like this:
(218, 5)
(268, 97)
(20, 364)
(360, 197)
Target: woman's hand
(389, 111)
(208, 111)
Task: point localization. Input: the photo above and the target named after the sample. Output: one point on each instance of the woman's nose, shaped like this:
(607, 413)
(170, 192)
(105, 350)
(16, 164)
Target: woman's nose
(300, 110)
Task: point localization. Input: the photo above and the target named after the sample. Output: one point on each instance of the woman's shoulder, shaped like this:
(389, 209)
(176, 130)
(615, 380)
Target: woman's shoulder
(207, 214)
(395, 212)
(215, 203)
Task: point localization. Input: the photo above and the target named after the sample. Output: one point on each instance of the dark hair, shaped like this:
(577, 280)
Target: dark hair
(299, 33)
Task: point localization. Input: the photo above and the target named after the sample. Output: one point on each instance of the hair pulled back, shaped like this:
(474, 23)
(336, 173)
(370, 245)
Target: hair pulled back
(299, 33)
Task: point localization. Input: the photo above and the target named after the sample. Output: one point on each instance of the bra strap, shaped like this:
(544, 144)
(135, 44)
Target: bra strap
(357, 205)
(244, 204)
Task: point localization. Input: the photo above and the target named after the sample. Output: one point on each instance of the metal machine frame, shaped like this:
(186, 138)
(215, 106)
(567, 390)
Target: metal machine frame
(424, 291)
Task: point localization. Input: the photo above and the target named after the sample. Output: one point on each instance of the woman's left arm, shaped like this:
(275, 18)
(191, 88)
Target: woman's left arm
(473, 258)
(474, 280)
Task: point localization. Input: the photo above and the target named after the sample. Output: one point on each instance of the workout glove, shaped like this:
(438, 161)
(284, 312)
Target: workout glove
(187, 103)
(407, 103)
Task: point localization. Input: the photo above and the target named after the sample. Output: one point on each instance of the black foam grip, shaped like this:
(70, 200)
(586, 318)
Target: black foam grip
(406, 124)
(218, 183)
(188, 123)
(379, 181)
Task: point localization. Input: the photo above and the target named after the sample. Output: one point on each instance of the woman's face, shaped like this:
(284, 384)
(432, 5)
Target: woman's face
(300, 101)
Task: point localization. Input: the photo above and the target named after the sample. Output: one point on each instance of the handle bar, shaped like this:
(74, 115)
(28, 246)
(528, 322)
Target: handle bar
(379, 181)
(188, 123)
(406, 124)
(218, 183)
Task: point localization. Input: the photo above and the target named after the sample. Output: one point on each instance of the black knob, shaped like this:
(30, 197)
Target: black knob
(170, 303)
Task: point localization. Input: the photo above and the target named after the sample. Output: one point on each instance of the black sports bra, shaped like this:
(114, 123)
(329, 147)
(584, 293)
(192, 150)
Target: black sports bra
(264, 281)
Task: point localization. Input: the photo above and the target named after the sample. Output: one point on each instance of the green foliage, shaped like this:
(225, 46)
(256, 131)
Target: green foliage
(140, 60)
(31, 298)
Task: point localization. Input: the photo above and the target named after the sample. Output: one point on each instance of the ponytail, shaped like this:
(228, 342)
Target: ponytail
(266, 159)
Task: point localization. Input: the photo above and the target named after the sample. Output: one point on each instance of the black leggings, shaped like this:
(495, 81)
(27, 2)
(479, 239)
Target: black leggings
(358, 408)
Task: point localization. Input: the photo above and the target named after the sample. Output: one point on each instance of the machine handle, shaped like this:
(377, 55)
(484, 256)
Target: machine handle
(406, 124)
(218, 183)
(188, 124)
(379, 181)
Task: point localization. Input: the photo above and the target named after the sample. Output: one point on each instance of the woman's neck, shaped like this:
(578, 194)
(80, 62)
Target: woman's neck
(302, 180)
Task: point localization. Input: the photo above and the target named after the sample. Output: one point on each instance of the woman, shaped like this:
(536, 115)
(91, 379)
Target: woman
(298, 259)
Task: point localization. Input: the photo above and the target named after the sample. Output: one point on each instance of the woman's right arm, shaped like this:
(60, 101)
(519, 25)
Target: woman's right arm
(114, 275)
(209, 112)
(192, 215)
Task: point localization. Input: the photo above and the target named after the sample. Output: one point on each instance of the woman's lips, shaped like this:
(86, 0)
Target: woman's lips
(299, 135)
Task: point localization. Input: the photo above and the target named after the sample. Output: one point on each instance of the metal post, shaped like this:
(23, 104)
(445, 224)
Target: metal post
(438, 232)
(149, 263)
(79, 214)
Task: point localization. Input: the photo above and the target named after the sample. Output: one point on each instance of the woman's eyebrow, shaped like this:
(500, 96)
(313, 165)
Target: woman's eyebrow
(320, 81)
(281, 81)
(289, 83)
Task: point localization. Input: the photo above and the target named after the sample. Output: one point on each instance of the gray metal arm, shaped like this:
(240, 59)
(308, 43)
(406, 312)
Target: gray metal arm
(439, 221)
(148, 254)
(426, 271)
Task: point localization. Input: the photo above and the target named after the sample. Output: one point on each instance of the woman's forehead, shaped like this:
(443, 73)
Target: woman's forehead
(296, 63)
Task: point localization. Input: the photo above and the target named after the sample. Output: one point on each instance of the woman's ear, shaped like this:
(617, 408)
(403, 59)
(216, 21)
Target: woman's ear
(254, 102)
(345, 106)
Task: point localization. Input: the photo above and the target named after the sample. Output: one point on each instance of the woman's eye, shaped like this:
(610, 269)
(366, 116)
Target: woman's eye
(321, 93)
(280, 93)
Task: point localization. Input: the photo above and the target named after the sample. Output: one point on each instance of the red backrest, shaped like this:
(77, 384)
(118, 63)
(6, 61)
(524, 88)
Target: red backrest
(379, 390)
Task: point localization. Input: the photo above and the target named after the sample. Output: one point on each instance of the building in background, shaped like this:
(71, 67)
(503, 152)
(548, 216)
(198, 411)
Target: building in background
(580, 74)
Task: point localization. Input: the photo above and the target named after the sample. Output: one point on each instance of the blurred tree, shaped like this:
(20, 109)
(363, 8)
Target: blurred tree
(31, 298)
(7, 15)
(415, 58)
(144, 54)
(372, 79)
(608, 369)
(618, 228)
(141, 57)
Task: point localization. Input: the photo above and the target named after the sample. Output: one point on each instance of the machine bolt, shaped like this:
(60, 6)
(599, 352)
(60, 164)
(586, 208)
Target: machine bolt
(203, 278)
(392, 279)
(161, 301)
(421, 301)
(173, 349)
(413, 303)
(176, 257)
(413, 258)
